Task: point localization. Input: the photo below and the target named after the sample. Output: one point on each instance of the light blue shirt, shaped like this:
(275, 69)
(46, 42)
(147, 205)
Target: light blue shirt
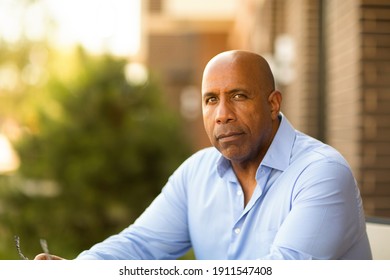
(306, 206)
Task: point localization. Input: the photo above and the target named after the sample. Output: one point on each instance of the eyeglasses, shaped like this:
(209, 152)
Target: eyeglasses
(44, 247)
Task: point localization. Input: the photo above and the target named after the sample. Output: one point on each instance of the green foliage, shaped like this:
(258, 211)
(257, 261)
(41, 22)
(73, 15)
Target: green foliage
(97, 150)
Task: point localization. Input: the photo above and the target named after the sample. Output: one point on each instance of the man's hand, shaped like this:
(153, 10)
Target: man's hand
(46, 257)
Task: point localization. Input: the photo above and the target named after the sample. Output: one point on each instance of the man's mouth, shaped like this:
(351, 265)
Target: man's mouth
(229, 136)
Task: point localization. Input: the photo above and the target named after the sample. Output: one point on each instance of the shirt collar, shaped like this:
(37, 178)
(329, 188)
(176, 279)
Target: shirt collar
(279, 153)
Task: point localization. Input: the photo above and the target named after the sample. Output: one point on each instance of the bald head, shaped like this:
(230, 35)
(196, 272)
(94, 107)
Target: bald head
(249, 63)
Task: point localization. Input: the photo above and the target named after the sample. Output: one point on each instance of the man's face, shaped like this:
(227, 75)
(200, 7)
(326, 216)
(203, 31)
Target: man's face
(236, 113)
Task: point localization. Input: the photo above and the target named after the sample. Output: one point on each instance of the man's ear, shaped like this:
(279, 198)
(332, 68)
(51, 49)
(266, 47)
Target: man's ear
(275, 101)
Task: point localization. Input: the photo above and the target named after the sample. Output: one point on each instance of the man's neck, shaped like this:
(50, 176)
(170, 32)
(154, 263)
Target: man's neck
(246, 175)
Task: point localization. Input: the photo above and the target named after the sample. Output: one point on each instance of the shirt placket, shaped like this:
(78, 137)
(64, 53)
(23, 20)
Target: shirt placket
(240, 214)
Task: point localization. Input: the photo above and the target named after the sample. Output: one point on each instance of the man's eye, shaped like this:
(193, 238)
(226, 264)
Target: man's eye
(211, 100)
(239, 96)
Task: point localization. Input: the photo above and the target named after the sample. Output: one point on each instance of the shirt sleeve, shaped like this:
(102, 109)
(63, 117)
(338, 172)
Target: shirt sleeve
(326, 215)
(161, 232)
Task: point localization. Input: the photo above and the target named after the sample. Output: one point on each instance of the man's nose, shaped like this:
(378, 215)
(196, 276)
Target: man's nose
(224, 113)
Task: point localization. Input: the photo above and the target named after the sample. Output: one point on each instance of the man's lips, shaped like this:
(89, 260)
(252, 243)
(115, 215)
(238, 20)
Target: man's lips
(229, 136)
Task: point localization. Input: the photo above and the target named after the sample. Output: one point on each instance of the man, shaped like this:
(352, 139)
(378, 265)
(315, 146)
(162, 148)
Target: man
(264, 191)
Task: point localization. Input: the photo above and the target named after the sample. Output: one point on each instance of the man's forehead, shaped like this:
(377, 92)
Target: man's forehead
(230, 60)
(223, 74)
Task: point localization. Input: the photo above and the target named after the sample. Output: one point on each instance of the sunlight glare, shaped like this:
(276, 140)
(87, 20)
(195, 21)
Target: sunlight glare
(99, 25)
(9, 160)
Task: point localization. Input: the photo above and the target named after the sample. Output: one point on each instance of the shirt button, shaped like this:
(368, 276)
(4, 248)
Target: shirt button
(239, 192)
(237, 230)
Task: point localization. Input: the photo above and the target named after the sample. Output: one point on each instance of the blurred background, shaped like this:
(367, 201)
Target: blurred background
(100, 101)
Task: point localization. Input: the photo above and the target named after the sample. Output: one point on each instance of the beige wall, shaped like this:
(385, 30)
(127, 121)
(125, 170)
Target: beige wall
(344, 115)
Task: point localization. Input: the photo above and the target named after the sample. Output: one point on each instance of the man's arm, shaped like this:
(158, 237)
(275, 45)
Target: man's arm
(326, 219)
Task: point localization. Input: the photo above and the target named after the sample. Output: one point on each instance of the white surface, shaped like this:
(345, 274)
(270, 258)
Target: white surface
(379, 236)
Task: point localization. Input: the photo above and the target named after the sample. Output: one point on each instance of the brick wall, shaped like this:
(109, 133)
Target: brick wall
(358, 116)
(374, 23)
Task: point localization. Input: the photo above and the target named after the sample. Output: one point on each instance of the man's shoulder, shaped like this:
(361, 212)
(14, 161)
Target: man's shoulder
(311, 150)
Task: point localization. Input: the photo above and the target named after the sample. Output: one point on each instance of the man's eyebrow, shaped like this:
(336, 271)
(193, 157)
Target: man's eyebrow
(208, 94)
(235, 90)
(232, 91)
